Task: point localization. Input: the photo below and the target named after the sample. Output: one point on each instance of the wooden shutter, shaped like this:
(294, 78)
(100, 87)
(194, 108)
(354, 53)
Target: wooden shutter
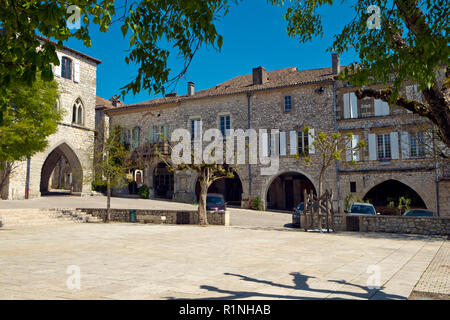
(151, 134)
(76, 71)
(356, 155)
(348, 149)
(346, 98)
(293, 142)
(381, 108)
(311, 148)
(405, 145)
(166, 132)
(353, 106)
(394, 146)
(265, 144)
(372, 146)
(57, 69)
(282, 143)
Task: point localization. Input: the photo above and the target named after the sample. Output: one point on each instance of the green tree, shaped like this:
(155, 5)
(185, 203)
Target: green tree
(410, 44)
(30, 116)
(154, 29)
(328, 148)
(111, 165)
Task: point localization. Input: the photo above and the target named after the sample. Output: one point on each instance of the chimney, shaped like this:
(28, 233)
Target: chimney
(191, 88)
(336, 64)
(259, 76)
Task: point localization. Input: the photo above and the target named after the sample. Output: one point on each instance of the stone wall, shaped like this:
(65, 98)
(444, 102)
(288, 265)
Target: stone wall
(79, 138)
(393, 224)
(161, 216)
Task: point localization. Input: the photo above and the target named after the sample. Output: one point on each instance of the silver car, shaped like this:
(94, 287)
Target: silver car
(362, 208)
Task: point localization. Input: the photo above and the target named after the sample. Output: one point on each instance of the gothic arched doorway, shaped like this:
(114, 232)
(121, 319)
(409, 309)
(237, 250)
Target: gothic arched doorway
(62, 171)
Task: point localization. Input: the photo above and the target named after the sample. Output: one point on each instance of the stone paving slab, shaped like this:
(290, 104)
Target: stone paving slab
(128, 261)
(435, 281)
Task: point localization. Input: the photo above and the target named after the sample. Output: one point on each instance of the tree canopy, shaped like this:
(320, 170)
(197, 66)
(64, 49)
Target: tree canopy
(411, 43)
(154, 28)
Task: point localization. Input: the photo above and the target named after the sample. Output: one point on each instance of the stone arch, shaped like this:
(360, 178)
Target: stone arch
(230, 188)
(288, 187)
(63, 150)
(385, 188)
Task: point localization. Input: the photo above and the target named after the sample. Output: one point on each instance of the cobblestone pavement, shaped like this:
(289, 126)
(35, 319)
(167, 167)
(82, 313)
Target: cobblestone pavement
(435, 282)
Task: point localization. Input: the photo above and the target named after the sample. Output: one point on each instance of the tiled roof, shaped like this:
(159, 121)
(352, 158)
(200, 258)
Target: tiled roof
(71, 50)
(276, 79)
(101, 102)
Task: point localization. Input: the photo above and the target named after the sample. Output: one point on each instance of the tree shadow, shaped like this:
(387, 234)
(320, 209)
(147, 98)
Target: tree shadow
(300, 283)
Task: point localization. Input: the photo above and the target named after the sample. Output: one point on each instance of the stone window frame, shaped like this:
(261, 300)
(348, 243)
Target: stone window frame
(63, 63)
(282, 103)
(189, 125)
(219, 117)
(78, 119)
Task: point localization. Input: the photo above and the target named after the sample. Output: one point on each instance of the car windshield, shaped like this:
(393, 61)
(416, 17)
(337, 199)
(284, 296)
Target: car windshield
(215, 200)
(363, 209)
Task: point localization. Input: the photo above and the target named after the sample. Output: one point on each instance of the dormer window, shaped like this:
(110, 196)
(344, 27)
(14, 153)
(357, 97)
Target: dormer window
(66, 68)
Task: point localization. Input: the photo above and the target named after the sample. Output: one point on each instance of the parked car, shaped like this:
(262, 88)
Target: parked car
(215, 202)
(418, 213)
(362, 208)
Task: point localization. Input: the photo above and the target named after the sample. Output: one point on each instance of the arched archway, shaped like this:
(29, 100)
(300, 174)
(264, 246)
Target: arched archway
(286, 191)
(230, 188)
(391, 190)
(64, 163)
(163, 181)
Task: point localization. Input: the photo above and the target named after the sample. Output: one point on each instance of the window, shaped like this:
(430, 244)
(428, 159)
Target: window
(136, 137)
(384, 147)
(225, 125)
(77, 112)
(287, 103)
(196, 129)
(302, 143)
(416, 145)
(66, 68)
(353, 187)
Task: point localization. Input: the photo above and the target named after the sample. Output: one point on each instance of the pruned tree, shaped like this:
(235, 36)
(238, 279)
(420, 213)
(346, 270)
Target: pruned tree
(329, 148)
(30, 115)
(208, 171)
(111, 165)
(396, 41)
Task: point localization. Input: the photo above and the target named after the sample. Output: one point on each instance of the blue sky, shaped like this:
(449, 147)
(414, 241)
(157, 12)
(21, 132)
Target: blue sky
(254, 35)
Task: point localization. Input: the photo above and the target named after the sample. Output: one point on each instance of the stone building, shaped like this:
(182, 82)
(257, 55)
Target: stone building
(288, 100)
(66, 163)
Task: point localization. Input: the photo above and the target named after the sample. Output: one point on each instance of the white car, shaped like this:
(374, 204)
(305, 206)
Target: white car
(362, 208)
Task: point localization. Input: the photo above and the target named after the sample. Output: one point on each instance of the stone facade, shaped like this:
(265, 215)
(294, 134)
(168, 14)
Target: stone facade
(289, 100)
(74, 139)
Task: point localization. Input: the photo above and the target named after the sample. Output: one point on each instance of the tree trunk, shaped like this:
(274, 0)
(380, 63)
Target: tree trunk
(108, 200)
(4, 177)
(319, 211)
(202, 214)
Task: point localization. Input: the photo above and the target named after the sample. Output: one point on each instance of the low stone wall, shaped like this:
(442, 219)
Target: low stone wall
(393, 224)
(161, 216)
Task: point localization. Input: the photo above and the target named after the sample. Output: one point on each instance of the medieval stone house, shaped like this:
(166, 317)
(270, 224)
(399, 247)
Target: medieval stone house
(393, 165)
(65, 165)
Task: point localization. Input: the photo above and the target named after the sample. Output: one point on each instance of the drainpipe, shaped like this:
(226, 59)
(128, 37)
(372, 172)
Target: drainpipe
(249, 127)
(337, 162)
(436, 169)
(27, 183)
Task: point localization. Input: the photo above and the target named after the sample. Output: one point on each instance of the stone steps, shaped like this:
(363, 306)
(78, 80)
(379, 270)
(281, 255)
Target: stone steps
(35, 217)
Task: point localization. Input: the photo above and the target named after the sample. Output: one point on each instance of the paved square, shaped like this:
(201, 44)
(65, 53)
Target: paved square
(127, 261)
